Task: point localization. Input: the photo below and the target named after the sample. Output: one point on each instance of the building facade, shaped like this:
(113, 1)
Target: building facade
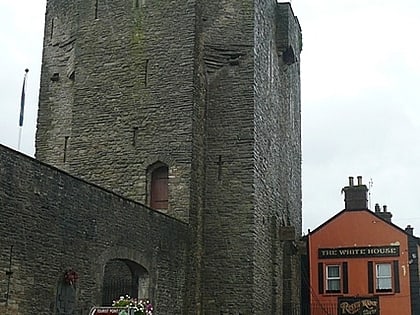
(414, 263)
(191, 108)
(361, 263)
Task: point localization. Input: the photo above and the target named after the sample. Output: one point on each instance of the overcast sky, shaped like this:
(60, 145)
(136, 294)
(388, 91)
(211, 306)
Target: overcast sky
(360, 70)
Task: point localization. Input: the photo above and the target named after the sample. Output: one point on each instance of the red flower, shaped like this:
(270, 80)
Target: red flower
(70, 276)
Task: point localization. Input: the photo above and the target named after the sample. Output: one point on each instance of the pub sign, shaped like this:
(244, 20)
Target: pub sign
(357, 252)
(358, 305)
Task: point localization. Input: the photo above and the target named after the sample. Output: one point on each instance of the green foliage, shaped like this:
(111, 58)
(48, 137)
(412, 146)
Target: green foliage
(141, 307)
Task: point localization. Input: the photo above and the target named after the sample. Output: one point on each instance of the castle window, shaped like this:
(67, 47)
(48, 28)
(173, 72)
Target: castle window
(146, 68)
(159, 188)
(52, 28)
(96, 9)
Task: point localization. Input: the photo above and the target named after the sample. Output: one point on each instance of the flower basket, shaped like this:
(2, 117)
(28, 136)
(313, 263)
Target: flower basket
(140, 307)
(70, 276)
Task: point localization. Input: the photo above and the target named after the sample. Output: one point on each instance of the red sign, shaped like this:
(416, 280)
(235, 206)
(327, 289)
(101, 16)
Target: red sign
(111, 311)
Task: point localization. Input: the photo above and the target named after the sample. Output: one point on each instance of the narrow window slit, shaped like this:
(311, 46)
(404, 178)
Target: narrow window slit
(66, 140)
(219, 171)
(146, 66)
(135, 131)
(52, 28)
(96, 9)
(136, 4)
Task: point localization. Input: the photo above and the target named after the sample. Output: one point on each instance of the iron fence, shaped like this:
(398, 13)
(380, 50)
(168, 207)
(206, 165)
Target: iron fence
(113, 289)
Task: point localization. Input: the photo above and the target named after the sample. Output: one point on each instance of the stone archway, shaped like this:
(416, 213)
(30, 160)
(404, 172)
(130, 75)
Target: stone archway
(124, 277)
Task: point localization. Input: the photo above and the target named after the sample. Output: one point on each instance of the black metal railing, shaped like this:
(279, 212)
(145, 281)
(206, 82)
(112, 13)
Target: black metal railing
(312, 309)
(113, 289)
(323, 309)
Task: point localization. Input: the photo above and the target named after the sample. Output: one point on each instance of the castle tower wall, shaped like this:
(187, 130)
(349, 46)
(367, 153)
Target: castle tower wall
(209, 88)
(277, 153)
(132, 97)
(57, 89)
(227, 43)
(253, 156)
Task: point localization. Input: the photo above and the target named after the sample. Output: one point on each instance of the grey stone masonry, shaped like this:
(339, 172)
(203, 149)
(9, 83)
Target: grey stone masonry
(53, 221)
(212, 90)
(132, 79)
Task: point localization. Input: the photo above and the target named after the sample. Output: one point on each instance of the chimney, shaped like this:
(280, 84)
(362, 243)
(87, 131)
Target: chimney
(377, 208)
(409, 230)
(355, 197)
(385, 215)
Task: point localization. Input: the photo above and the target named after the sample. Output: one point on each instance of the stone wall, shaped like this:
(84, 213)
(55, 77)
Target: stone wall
(277, 153)
(414, 251)
(54, 221)
(227, 39)
(253, 156)
(210, 88)
(129, 103)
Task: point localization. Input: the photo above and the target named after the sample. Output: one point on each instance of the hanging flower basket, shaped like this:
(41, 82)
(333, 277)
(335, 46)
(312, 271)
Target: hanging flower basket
(70, 276)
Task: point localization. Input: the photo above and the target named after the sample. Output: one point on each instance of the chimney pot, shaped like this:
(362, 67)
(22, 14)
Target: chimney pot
(359, 180)
(387, 216)
(355, 197)
(409, 230)
(377, 208)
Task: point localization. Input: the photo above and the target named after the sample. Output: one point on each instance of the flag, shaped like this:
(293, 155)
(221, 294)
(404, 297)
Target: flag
(22, 99)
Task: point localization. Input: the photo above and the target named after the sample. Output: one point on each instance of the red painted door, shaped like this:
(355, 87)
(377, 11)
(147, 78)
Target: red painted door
(159, 188)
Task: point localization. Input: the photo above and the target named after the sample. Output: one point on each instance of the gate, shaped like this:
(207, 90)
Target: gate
(114, 288)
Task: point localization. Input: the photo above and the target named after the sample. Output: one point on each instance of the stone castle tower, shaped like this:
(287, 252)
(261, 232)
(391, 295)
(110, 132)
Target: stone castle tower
(191, 107)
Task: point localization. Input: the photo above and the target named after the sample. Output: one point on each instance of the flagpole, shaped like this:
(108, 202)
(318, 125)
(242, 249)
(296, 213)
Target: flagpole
(20, 137)
(22, 106)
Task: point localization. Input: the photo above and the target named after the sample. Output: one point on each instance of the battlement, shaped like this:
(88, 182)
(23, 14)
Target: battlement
(288, 33)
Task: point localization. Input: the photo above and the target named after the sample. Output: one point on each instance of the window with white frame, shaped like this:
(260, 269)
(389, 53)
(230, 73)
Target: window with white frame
(333, 278)
(383, 277)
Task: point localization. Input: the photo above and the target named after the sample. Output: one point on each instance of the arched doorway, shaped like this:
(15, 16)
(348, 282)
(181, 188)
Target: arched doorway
(158, 177)
(124, 277)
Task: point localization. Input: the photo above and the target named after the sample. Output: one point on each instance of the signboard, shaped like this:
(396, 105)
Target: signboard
(358, 306)
(287, 233)
(357, 252)
(112, 311)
